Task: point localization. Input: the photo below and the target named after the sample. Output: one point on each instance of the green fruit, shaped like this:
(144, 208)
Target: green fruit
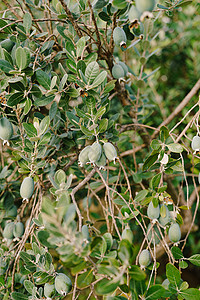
(127, 234)
(27, 188)
(145, 5)
(11, 212)
(155, 239)
(174, 233)
(165, 216)
(196, 143)
(119, 37)
(145, 258)
(6, 129)
(7, 44)
(165, 283)
(124, 67)
(95, 152)
(8, 231)
(63, 284)
(101, 162)
(83, 156)
(100, 4)
(134, 14)
(118, 71)
(18, 229)
(49, 290)
(153, 212)
(110, 151)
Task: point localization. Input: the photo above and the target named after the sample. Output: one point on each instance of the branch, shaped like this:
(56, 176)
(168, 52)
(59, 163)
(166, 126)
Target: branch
(71, 18)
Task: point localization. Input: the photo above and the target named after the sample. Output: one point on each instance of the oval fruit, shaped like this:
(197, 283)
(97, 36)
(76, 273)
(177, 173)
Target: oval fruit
(174, 233)
(134, 14)
(63, 284)
(94, 153)
(124, 67)
(18, 229)
(101, 162)
(145, 258)
(83, 156)
(196, 143)
(127, 234)
(145, 5)
(155, 239)
(110, 151)
(49, 290)
(8, 231)
(119, 37)
(153, 212)
(165, 219)
(11, 212)
(27, 188)
(6, 129)
(118, 71)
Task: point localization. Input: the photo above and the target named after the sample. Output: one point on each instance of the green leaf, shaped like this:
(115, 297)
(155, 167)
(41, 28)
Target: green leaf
(16, 83)
(5, 66)
(44, 100)
(155, 145)
(173, 274)
(155, 292)
(175, 148)
(150, 161)
(103, 124)
(22, 56)
(86, 131)
(191, 294)
(91, 72)
(30, 130)
(85, 279)
(81, 66)
(90, 102)
(183, 264)
(141, 195)
(106, 286)
(119, 4)
(73, 119)
(63, 82)
(19, 296)
(154, 183)
(73, 92)
(27, 106)
(80, 45)
(71, 65)
(98, 80)
(27, 22)
(43, 79)
(164, 133)
(60, 177)
(44, 125)
(195, 259)
(28, 286)
(109, 240)
(177, 254)
(15, 98)
(104, 16)
(136, 273)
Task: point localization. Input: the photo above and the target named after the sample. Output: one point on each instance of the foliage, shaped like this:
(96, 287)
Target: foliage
(98, 177)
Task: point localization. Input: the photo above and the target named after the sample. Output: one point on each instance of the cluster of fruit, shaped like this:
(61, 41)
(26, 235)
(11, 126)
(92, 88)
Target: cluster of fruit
(96, 154)
(119, 70)
(62, 285)
(13, 230)
(165, 219)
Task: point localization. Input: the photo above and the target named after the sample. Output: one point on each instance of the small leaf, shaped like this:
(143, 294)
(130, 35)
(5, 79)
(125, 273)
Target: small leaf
(22, 56)
(5, 66)
(195, 259)
(80, 46)
(173, 274)
(191, 294)
(140, 195)
(177, 254)
(91, 72)
(30, 130)
(85, 279)
(15, 98)
(154, 183)
(98, 80)
(175, 148)
(43, 79)
(28, 286)
(19, 296)
(103, 125)
(155, 292)
(27, 22)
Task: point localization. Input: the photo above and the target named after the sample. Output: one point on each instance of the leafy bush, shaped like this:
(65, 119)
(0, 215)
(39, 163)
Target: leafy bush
(98, 178)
